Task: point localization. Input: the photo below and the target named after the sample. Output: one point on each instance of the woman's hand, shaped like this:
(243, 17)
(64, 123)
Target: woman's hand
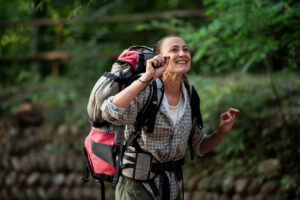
(155, 67)
(227, 121)
(225, 125)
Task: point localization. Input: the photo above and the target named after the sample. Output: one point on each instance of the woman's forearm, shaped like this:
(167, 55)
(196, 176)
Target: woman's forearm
(211, 141)
(225, 125)
(123, 98)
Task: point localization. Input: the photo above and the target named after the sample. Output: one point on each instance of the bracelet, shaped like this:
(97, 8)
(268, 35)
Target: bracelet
(146, 82)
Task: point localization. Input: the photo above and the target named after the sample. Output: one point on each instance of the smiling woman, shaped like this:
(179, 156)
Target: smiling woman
(174, 126)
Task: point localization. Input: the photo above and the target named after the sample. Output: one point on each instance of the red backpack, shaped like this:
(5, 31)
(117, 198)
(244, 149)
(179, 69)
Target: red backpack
(103, 147)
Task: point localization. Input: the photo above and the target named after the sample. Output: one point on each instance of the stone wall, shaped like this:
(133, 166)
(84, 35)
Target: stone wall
(31, 170)
(47, 163)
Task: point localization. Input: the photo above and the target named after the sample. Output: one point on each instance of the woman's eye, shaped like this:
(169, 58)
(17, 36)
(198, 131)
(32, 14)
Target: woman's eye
(173, 50)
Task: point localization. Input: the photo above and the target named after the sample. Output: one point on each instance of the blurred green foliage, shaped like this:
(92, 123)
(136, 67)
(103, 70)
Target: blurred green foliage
(259, 131)
(234, 37)
(241, 34)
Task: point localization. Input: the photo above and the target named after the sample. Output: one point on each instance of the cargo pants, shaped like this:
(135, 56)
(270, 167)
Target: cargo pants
(132, 190)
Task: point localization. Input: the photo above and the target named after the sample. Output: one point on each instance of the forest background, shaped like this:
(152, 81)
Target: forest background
(245, 55)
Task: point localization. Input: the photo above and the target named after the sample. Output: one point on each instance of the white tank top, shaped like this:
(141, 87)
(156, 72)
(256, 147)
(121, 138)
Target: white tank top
(174, 110)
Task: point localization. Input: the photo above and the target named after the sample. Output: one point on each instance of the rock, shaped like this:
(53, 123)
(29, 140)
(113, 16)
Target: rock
(33, 162)
(52, 164)
(76, 193)
(33, 179)
(66, 193)
(41, 193)
(236, 197)
(250, 198)
(60, 163)
(96, 191)
(211, 196)
(5, 162)
(79, 165)
(228, 185)
(15, 162)
(43, 163)
(269, 187)
(22, 179)
(188, 195)
(78, 180)
(70, 180)
(241, 185)
(5, 194)
(25, 164)
(71, 162)
(196, 195)
(269, 167)
(58, 179)
(87, 193)
(53, 193)
(224, 197)
(46, 180)
(253, 187)
(31, 193)
(259, 197)
(18, 193)
(11, 179)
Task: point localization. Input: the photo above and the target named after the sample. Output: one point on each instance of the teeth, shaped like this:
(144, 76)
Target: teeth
(181, 62)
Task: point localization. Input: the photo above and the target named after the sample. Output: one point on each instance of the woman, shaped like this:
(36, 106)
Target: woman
(171, 61)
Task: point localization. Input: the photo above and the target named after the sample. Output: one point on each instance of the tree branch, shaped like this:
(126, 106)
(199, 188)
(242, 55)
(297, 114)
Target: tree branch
(108, 19)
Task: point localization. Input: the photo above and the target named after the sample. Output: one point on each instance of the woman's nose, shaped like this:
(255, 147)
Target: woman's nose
(181, 53)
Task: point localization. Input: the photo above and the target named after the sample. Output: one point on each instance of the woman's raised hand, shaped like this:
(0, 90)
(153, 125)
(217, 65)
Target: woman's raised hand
(227, 120)
(155, 67)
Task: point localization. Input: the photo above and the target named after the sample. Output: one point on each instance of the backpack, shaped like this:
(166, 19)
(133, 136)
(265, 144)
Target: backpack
(105, 145)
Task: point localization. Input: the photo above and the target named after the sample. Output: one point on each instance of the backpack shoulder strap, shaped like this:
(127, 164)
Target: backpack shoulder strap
(148, 115)
(196, 114)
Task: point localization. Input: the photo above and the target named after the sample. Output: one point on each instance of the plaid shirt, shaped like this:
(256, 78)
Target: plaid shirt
(169, 141)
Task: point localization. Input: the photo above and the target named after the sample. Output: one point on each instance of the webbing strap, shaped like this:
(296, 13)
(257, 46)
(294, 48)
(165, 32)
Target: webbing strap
(102, 189)
(127, 165)
(118, 164)
(129, 158)
(152, 110)
(196, 115)
(165, 187)
(116, 78)
(154, 188)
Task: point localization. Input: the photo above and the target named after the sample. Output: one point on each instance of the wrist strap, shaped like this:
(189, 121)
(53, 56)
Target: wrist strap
(146, 82)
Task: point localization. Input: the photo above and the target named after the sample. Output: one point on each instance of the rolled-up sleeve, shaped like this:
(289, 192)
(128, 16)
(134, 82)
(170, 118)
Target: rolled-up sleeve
(198, 138)
(124, 116)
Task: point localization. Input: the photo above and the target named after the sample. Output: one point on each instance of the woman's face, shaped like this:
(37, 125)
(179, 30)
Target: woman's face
(180, 57)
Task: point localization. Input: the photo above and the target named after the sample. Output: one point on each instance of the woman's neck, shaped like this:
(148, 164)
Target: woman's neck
(172, 84)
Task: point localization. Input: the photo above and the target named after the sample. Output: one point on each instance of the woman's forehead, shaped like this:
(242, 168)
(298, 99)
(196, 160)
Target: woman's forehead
(173, 41)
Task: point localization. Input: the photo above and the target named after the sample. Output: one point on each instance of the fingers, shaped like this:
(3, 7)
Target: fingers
(234, 112)
(230, 115)
(159, 61)
(226, 117)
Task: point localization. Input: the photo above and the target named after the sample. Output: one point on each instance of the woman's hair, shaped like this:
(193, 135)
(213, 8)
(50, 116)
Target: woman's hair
(157, 46)
(157, 50)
